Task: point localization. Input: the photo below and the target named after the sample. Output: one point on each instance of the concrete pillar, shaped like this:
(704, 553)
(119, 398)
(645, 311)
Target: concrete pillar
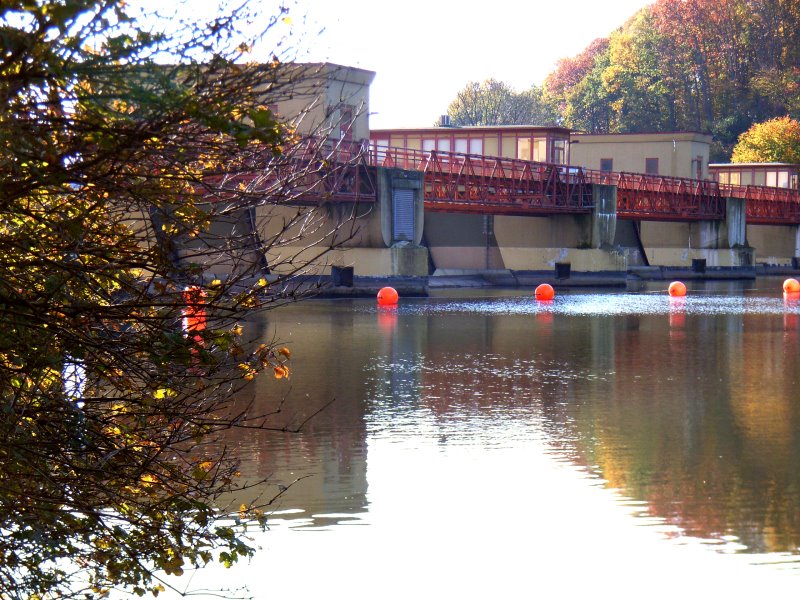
(735, 222)
(400, 202)
(728, 234)
(604, 216)
(797, 240)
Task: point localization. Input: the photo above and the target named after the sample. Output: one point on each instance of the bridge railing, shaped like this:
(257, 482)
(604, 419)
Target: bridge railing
(486, 184)
(473, 183)
(657, 197)
(766, 205)
(309, 172)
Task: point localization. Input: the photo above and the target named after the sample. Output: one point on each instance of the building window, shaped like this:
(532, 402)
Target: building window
(381, 147)
(736, 178)
(783, 179)
(559, 152)
(697, 167)
(540, 149)
(461, 145)
(346, 123)
(443, 145)
(428, 145)
(651, 166)
(524, 148)
(607, 164)
(476, 146)
(772, 179)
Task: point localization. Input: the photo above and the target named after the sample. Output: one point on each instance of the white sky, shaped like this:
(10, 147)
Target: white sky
(424, 51)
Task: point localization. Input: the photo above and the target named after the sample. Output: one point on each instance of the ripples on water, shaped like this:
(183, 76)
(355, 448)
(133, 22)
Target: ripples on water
(499, 445)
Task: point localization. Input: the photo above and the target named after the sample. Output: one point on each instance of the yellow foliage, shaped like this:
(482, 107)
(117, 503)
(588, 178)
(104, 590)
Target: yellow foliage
(776, 140)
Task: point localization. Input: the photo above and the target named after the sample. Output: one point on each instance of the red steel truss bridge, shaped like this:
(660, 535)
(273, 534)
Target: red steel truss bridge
(464, 183)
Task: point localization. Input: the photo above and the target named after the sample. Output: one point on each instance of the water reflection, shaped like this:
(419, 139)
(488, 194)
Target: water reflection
(685, 408)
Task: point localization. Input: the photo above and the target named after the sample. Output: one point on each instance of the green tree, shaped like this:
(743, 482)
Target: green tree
(493, 102)
(639, 96)
(122, 182)
(575, 89)
(776, 140)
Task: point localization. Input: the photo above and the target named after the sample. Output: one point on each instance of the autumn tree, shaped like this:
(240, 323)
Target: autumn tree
(493, 102)
(133, 169)
(776, 140)
(715, 66)
(575, 89)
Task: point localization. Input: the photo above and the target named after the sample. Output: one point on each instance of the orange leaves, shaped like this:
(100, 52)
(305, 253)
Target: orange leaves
(248, 372)
(281, 372)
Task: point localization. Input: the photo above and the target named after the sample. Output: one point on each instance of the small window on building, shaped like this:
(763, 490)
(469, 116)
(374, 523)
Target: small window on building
(559, 152)
(461, 146)
(428, 145)
(724, 178)
(736, 178)
(346, 123)
(651, 166)
(783, 179)
(381, 146)
(443, 145)
(747, 178)
(476, 146)
(607, 164)
(697, 167)
(540, 149)
(772, 179)
(524, 148)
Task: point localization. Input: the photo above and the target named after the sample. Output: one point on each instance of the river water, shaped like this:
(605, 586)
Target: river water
(482, 444)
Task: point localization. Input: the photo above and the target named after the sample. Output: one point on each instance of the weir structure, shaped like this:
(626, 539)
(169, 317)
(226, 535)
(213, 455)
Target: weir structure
(416, 213)
(386, 210)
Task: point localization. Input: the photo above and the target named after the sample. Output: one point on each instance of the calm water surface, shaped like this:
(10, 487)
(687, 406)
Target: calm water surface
(486, 445)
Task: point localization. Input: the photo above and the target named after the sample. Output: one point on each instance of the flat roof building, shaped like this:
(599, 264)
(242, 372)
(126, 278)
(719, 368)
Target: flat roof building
(782, 175)
(672, 154)
(525, 142)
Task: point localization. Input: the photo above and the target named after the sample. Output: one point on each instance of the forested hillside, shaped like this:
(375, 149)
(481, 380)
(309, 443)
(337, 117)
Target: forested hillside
(716, 66)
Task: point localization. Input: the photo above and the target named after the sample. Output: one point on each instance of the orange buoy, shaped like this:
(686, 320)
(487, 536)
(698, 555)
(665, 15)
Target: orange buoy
(388, 296)
(544, 291)
(677, 288)
(194, 312)
(791, 286)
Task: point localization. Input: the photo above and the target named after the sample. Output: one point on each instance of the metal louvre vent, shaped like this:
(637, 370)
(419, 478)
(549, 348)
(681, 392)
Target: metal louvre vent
(403, 215)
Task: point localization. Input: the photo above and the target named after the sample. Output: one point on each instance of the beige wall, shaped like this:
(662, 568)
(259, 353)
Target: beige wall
(774, 244)
(320, 92)
(675, 152)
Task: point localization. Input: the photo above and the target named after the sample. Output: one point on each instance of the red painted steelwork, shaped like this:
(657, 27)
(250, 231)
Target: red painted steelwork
(468, 183)
(490, 185)
(658, 198)
(766, 205)
(314, 171)
(333, 171)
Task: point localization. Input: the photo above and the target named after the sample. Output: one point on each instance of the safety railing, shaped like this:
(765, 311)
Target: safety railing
(484, 184)
(766, 205)
(458, 182)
